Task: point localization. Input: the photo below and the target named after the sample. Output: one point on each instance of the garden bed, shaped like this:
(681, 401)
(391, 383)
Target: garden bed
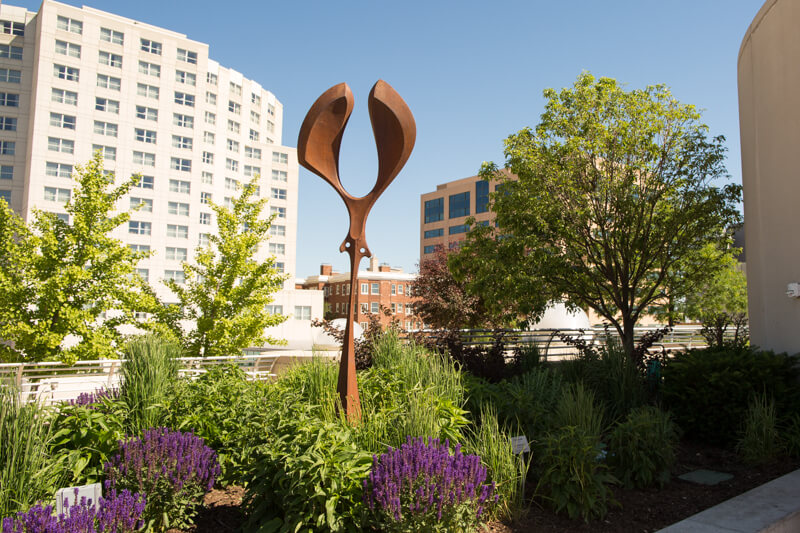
(645, 510)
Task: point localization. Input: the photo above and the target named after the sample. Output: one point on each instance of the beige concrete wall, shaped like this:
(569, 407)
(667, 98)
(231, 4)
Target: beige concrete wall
(769, 118)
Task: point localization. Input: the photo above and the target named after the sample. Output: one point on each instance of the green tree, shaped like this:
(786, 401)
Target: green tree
(614, 188)
(226, 292)
(66, 287)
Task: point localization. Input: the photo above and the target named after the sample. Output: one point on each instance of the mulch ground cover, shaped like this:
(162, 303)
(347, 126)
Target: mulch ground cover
(641, 510)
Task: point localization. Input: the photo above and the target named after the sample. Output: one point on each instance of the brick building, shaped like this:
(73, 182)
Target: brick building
(378, 286)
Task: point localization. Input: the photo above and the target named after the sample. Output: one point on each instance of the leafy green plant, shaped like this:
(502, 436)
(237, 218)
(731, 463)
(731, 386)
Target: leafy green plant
(759, 441)
(791, 435)
(507, 470)
(147, 372)
(86, 436)
(641, 449)
(708, 391)
(577, 407)
(28, 472)
(571, 476)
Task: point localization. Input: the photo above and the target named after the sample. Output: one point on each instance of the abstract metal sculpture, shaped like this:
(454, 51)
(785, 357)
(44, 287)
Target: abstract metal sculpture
(318, 150)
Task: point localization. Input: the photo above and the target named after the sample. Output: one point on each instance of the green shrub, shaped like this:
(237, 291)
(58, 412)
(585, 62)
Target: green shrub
(86, 436)
(759, 441)
(641, 450)
(307, 478)
(147, 372)
(571, 476)
(708, 391)
(507, 470)
(577, 407)
(222, 407)
(28, 473)
(790, 432)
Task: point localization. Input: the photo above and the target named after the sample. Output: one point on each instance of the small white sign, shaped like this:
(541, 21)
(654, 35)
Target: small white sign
(520, 445)
(68, 495)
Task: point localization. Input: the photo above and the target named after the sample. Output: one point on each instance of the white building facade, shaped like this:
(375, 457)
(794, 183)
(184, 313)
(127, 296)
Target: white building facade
(77, 80)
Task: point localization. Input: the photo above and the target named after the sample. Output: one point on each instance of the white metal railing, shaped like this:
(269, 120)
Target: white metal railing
(52, 382)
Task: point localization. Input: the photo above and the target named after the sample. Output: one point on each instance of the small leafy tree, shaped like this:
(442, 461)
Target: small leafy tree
(226, 291)
(69, 279)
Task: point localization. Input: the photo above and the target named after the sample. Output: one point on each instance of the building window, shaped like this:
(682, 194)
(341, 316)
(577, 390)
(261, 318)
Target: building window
(279, 266)
(274, 309)
(10, 76)
(144, 158)
(9, 100)
(270, 126)
(211, 118)
(109, 82)
(277, 230)
(106, 104)
(205, 218)
(178, 276)
(143, 273)
(231, 184)
(375, 307)
(16, 28)
(252, 153)
(140, 248)
(234, 127)
(176, 254)
(481, 196)
(255, 98)
(68, 24)
(394, 289)
(183, 187)
(280, 157)
(145, 136)
(142, 204)
(277, 248)
(208, 158)
(139, 228)
(66, 73)
(178, 232)
(179, 141)
(211, 98)
(254, 135)
(278, 194)
(208, 137)
(434, 210)
(54, 144)
(280, 175)
(183, 165)
(187, 56)
(178, 208)
(207, 178)
(10, 52)
(149, 69)
(111, 36)
(6, 172)
(455, 230)
(279, 212)
(364, 289)
(204, 239)
(105, 128)
(184, 99)
(232, 165)
(185, 77)
(112, 60)
(236, 89)
(429, 249)
(211, 79)
(400, 289)
(5, 195)
(234, 108)
(147, 113)
(233, 146)
(109, 153)
(152, 47)
(431, 233)
(148, 91)
(459, 205)
(53, 194)
(302, 312)
(68, 49)
(144, 182)
(250, 171)
(65, 97)
(62, 121)
(255, 117)
(205, 197)
(375, 288)
(184, 121)
(8, 124)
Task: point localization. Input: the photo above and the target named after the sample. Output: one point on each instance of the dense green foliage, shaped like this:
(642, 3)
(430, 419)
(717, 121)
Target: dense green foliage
(613, 188)
(708, 391)
(759, 440)
(641, 449)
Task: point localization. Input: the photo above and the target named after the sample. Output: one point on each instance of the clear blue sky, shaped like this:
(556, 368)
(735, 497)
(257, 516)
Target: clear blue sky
(471, 72)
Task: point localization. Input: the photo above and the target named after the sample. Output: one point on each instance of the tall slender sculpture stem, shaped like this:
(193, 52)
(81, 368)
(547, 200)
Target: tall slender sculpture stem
(318, 150)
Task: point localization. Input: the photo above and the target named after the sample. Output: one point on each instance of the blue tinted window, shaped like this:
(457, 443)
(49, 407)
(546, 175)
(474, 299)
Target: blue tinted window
(459, 205)
(462, 228)
(429, 249)
(483, 223)
(434, 210)
(481, 196)
(431, 233)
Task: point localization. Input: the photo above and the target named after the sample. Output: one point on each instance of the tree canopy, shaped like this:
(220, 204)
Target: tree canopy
(226, 292)
(613, 189)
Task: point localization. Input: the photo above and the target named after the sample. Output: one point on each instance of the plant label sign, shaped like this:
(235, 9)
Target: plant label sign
(520, 445)
(70, 496)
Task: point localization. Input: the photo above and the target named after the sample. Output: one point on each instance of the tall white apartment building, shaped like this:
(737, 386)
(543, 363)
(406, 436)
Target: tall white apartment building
(77, 80)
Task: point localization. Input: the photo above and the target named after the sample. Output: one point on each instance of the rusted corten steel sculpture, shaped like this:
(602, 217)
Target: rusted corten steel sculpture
(318, 150)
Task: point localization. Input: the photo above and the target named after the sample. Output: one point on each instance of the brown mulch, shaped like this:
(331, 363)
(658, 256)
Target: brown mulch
(641, 511)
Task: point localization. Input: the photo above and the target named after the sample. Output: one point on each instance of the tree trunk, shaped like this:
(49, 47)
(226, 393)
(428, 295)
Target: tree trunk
(670, 312)
(628, 343)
